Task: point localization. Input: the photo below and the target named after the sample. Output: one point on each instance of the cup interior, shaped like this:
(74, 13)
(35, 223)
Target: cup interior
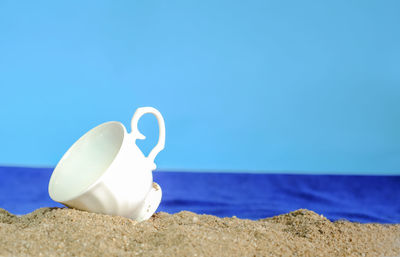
(87, 159)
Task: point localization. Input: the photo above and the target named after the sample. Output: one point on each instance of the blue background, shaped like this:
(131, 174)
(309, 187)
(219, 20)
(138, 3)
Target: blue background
(284, 86)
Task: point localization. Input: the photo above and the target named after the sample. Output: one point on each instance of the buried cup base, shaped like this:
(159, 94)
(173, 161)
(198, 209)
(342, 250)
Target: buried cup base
(150, 204)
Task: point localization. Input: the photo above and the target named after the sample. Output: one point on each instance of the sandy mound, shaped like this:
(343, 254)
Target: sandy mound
(60, 232)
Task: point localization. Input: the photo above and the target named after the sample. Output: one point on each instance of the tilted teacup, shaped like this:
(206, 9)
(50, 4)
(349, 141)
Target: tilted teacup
(105, 172)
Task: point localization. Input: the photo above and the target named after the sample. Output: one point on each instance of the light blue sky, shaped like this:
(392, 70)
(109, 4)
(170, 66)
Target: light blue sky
(308, 86)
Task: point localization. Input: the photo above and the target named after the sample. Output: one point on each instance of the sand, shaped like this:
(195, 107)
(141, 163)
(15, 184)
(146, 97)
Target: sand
(68, 232)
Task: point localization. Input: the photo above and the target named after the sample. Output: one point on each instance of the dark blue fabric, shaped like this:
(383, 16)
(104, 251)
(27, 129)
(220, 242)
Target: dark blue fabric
(252, 196)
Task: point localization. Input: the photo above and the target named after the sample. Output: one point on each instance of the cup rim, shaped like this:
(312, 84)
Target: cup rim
(52, 189)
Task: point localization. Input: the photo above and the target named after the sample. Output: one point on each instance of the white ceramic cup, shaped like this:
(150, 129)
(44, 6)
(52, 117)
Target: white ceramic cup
(105, 172)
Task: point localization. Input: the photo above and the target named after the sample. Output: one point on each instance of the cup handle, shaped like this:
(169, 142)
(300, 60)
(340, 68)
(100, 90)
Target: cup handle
(137, 135)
